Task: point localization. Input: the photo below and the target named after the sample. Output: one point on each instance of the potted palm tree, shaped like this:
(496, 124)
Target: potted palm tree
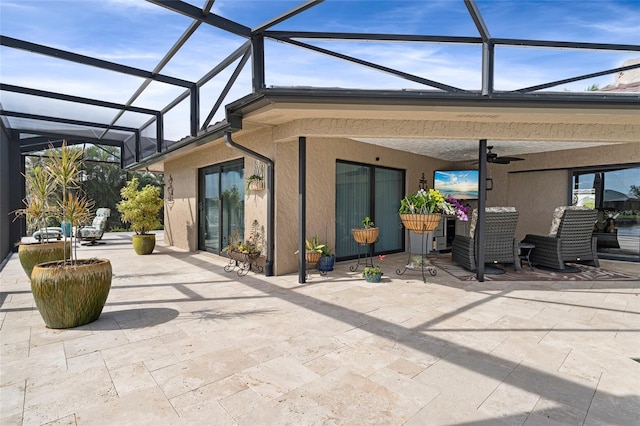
(37, 210)
(140, 208)
(69, 292)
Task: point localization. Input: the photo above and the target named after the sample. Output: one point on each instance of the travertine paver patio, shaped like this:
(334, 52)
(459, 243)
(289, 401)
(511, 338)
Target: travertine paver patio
(180, 341)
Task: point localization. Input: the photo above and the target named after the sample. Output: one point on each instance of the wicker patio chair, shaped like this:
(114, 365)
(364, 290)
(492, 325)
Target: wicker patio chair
(500, 244)
(570, 239)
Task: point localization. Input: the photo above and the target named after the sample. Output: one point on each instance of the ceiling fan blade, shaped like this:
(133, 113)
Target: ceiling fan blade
(501, 160)
(507, 158)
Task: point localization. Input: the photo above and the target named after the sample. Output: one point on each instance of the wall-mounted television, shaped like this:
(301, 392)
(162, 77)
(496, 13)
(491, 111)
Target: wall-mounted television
(459, 184)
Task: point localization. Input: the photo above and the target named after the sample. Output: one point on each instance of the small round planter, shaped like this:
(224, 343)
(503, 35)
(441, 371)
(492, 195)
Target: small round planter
(32, 254)
(69, 296)
(312, 257)
(144, 244)
(325, 263)
(373, 278)
(365, 235)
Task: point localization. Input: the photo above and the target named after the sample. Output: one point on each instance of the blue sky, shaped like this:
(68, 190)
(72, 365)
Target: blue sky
(138, 33)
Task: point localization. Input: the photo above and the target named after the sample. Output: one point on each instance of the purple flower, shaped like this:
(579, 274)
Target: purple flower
(461, 211)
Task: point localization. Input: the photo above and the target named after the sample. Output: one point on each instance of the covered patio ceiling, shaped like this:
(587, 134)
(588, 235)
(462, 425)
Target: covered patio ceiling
(447, 126)
(122, 106)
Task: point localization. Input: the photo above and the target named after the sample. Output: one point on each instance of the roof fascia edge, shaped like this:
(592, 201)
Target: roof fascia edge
(236, 110)
(215, 132)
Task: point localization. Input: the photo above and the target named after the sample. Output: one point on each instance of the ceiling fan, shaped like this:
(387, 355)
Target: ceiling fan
(492, 157)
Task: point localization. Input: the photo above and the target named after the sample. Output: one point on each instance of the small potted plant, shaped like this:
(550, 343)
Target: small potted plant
(368, 234)
(249, 249)
(140, 208)
(313, 250)
(327, 259)
(372, 274)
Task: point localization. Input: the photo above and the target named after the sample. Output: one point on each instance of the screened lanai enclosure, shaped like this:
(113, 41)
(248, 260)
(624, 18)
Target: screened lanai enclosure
(174, 75)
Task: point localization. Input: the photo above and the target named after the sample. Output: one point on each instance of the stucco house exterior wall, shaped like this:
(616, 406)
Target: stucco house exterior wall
(534, 186)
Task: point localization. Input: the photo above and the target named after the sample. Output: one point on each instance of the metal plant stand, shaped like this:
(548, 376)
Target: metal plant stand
(243, 263)
(423, 257)
(366, 257)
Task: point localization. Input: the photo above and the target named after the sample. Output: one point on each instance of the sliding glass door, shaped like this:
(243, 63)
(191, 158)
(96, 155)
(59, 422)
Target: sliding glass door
(220, 205)
(365, 190)
(615, 194)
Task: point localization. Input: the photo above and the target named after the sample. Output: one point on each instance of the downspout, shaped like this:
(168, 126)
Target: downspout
(268, 267)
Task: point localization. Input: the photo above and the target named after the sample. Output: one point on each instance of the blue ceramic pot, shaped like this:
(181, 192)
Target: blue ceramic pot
(325, 264)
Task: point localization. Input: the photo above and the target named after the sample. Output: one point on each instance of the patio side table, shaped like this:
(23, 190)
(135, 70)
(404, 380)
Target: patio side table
(525, 252)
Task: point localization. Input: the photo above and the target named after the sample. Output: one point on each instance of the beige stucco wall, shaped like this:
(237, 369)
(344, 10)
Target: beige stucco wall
(532, 186)
(322, 154)
(181, 215)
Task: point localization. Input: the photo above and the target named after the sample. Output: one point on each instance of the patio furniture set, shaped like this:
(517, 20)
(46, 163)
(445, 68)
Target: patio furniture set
(90, 234)
(570, 240)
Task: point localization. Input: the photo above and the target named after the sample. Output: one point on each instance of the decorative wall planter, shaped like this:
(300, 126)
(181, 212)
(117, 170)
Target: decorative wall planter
(256, 185)
(71, 296)
(420, 223)
(144, 243)
(32, 254)
(365, 235)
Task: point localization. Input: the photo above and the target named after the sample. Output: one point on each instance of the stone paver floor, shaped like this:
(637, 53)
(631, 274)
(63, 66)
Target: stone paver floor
(183, 342)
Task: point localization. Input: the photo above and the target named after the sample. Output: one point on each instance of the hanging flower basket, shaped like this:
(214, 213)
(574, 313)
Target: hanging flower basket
(365, 235)
(256, 185)
(420, 223)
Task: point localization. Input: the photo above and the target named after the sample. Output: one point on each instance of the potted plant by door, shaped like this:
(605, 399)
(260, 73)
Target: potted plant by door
(327, 259)
(37, 210)
(70, 292)
(368, 234)
(248, 250)
(313, 250)
(140, 208)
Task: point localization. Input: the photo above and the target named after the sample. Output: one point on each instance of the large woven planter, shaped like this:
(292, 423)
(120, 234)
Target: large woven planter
(32, 254)
(365, 235)
(420, 223)
(144, 244)
(71, 296)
